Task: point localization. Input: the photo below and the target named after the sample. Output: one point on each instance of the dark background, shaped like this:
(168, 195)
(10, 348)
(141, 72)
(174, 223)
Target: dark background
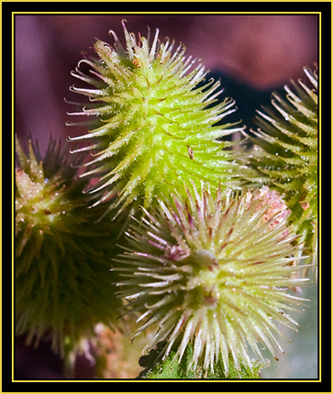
(252, 54)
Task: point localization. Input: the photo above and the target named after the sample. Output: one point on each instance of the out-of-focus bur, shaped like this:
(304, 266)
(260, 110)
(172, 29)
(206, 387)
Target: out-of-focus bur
(286, 155)
(62, 256)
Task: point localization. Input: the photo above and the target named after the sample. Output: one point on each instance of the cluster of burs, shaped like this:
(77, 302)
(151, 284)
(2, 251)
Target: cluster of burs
(163, 216)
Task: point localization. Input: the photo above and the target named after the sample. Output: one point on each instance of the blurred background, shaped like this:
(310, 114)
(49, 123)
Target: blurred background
(251, 54)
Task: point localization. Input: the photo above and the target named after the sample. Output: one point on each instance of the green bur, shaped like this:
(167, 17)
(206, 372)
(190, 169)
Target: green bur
(156, 123)
(215, 273)
(286, 155)
(62, 256)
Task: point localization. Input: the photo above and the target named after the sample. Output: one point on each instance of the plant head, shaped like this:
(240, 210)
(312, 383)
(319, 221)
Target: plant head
(156, 122)
(286, 154)
(212, 272)
(62, 256)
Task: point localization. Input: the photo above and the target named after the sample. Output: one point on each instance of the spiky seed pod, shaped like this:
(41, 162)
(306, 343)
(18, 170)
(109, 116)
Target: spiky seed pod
(155, 121)
(213, 273)
(62, 278)
(287, 153)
